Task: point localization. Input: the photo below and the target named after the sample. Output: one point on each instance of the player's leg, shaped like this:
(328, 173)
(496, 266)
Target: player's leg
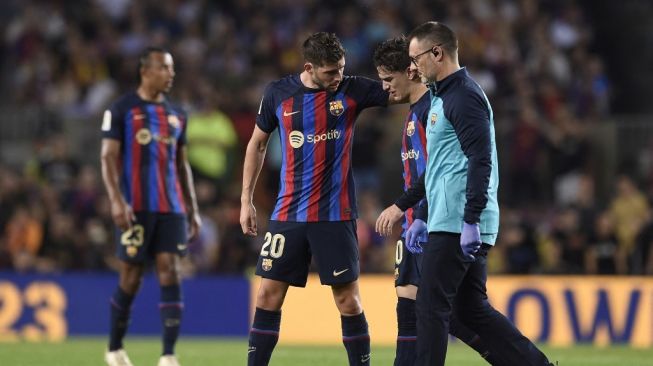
(131, 249)
(121, 301)
(495, 329)
(406, 325)
(335, 248)
(170, 303)
(264, 334)
(406, 281)
(169, 243)
(355, 333)
(283, 261)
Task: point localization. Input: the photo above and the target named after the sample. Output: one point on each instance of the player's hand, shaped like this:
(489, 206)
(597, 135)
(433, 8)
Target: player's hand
(195, 225)
(387, 219)
(470, 240)
(248, 219)
(122, 214)
(417, 233)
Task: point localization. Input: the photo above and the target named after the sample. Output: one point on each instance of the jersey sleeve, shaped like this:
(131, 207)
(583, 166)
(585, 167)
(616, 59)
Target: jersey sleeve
(423, 110)
(412, 196)
(113, 122)
(470, 117)
(370, 93)
(266, 119)
(183, 116)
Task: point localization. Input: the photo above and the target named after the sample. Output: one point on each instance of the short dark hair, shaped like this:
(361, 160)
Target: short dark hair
(437, 34)
(392, 54)
(144, 58)
(322, 48)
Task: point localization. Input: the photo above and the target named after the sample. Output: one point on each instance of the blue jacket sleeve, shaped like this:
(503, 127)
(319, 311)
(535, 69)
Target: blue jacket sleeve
(470, 116)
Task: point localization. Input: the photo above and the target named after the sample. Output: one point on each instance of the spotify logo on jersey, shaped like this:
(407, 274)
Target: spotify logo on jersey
(296, 139)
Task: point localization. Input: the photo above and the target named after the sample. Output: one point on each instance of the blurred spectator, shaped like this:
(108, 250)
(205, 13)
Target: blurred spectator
(518, 243)
(569, 151)
(212, 145)
(58, 167)
(372, 251)
(630, 211)
(526, 157)
(642, 258)
(203, 251)
(24, 237)
(603, 255)
(567, 243)
(83, 197)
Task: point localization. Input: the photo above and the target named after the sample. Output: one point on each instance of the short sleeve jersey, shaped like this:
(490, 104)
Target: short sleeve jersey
(316, 129)
(150, 135)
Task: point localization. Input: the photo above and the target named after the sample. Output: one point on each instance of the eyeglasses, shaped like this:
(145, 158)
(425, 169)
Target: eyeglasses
(415, 59)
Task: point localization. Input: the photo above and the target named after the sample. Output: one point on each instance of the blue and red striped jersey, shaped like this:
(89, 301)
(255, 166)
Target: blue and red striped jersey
(316, 129)
(413, 151)
(150, 134)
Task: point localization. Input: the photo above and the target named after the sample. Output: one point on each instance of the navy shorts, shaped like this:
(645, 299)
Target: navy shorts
(288, 247)
(153, 233)
(408, 266)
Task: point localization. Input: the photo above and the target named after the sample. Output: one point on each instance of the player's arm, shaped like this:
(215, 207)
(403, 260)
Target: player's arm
(470, 118)
(254, 157)
(393, 213)
(121, 211)
(188, 188)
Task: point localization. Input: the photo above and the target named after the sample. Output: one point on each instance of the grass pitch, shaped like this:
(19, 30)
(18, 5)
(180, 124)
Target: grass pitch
(225, 352)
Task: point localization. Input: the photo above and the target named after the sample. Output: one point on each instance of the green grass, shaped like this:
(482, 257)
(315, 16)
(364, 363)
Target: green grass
(222, 352)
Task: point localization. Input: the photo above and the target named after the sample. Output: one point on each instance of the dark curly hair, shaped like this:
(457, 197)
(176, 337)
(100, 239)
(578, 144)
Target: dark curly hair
(392, 54)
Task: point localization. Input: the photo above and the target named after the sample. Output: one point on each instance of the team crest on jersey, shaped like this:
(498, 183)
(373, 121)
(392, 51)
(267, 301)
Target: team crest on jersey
(143, 136)
(434, 118)
(266, 264)
(410, 129)
(173, 121)
(396, 273)
(336, 108)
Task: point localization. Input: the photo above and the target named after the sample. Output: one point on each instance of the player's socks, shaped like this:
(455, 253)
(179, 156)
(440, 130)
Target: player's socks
(406, 332)
(120, 309)
(263, 337)
(170, 307)
(356, 339)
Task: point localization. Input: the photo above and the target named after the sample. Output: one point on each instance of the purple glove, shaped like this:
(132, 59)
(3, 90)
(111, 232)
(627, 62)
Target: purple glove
(416, 233)
(470, 240)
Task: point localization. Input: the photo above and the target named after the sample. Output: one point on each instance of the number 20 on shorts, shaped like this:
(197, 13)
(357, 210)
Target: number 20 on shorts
(273, 245)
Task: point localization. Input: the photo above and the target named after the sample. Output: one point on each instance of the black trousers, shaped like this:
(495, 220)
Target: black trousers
(450, 283)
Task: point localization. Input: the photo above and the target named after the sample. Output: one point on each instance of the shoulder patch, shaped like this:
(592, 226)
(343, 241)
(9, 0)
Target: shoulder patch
(106, 121)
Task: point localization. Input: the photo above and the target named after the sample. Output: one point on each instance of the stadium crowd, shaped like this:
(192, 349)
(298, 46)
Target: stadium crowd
(534, 59)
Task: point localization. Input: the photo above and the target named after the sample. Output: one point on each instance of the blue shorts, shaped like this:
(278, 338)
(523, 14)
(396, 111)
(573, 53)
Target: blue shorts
(152, 233)
(408, 266)
(288, 247)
